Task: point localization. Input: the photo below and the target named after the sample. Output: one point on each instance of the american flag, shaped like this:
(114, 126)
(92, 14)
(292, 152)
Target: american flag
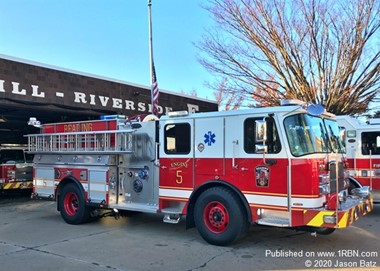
(155, 91)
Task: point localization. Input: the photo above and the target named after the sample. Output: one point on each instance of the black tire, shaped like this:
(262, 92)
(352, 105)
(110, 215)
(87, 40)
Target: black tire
(219, 216)
(324, 231)
(72, 205)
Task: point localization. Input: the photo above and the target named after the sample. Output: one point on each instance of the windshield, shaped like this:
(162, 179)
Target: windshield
(311, 134)
(12, 156)
(334, 136)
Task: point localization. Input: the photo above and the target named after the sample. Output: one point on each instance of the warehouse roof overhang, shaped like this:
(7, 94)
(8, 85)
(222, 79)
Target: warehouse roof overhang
(51, 94)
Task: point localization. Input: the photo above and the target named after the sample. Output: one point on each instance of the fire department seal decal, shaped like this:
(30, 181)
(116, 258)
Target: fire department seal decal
(262, 176)
(201, 147)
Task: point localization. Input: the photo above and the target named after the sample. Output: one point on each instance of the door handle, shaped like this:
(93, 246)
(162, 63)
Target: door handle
(271, 162)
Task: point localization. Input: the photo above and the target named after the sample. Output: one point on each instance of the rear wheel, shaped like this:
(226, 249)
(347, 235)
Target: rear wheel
(219, 216)
(72, 205)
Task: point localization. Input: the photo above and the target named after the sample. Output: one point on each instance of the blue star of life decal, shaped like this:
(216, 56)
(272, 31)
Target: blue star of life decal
(209, 138)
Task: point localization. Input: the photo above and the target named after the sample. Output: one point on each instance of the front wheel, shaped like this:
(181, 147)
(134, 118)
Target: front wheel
(72, 205)
(324, 231)
(219, 216)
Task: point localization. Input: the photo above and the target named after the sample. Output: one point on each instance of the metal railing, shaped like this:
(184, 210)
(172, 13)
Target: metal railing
(119, 141)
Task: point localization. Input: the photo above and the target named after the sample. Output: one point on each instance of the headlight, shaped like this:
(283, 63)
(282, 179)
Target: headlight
(324, 178)
(324, 184)
(329, 219)
(342, 196)
(324, 189)
(11, 174)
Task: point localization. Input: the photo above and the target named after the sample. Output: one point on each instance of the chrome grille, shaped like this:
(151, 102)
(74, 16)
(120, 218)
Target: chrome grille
(332, 170)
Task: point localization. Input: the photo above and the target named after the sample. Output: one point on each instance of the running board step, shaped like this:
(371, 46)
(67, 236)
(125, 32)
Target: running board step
(274, 221)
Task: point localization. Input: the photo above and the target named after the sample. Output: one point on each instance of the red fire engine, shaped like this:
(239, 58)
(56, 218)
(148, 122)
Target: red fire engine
(16, 168)
(362, 142)
(280, 166)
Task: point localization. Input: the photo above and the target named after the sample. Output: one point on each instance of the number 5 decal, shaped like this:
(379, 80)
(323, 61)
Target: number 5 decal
(179, 177)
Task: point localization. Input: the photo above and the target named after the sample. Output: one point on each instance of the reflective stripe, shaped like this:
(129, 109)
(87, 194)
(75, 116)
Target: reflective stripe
(253, 199)
(283, 201)
(175, 193)
(43, 183)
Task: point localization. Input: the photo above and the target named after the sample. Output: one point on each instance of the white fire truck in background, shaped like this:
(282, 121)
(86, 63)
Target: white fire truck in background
(280, 166)
(362, 142)
(16, 168)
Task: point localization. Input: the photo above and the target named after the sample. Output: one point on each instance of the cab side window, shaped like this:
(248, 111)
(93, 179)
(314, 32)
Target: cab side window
(272, 142)
(177, 138)
(370, 143)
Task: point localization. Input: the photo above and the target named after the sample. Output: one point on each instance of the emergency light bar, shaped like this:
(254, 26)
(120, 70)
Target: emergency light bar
(374, 121)
(178, 113)
(112, 117)
(291, 102)
(34, 122)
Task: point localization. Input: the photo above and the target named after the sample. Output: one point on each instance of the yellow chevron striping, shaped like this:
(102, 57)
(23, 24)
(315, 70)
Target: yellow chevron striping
(317, 221)
(18, 185)
(343, 222)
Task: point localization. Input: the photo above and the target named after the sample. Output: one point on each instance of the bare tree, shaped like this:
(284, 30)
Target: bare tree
(321, 51)
(193, 92)
(227, 100)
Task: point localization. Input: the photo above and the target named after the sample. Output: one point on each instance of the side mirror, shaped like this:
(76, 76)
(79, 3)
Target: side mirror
(261, 131)
(342, 135)
(261, 137)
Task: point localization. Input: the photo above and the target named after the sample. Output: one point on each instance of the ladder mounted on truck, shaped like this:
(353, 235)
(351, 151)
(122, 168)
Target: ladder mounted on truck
(115, 141)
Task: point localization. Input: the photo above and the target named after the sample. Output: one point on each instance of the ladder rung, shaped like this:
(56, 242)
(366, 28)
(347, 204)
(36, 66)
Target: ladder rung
(100, 141)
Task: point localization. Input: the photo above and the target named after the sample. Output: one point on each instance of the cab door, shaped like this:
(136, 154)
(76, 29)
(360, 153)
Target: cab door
(176, 158)
(261, 165)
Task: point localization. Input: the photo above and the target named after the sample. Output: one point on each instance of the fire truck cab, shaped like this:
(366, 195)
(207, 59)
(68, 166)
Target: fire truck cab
(362, 142)
(279, 166)
(16, 168)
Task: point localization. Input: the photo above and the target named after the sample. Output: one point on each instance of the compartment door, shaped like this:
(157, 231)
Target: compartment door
(209, 147)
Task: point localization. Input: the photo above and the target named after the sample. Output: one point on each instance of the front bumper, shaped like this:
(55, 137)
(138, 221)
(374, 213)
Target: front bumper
(17, 185)
(348, 212)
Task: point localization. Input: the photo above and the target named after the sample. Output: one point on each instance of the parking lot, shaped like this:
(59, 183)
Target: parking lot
(33, 236)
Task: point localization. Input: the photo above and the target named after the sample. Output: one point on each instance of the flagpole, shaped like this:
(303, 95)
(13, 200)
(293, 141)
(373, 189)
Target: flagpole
(151, 52)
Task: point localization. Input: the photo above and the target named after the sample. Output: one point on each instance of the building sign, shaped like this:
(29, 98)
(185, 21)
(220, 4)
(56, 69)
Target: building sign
(24, 82)
(87, 98)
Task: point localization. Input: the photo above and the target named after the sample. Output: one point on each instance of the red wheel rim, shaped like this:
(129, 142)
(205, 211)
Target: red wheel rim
(216, 217)
(71, 203)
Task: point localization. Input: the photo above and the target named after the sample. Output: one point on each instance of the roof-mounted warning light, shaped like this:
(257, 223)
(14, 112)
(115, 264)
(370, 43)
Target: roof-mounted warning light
(177, 114)
(312, 109)
(291, 102)
(34, 122)
(374, 121)
(112, 117)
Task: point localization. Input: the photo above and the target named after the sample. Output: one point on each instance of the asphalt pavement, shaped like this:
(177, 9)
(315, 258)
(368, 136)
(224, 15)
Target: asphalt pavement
(33, 236)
